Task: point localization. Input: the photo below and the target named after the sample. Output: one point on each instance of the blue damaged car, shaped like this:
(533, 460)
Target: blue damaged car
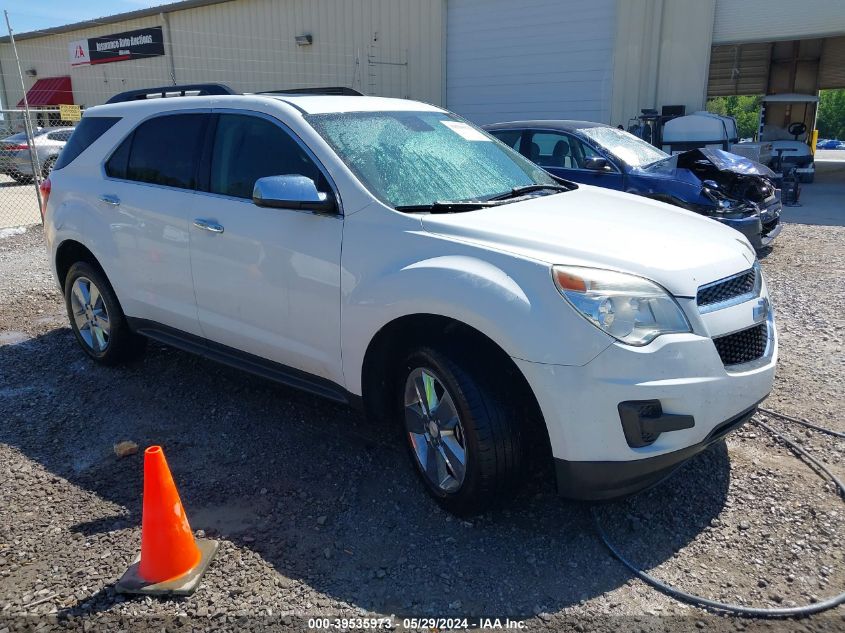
(729, 188)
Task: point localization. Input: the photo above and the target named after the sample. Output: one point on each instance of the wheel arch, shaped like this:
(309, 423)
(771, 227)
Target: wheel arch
(398, 337)
(68, 253)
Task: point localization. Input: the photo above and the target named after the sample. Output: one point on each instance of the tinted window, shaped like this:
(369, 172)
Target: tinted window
(117, 163)
(247, 148)
(90, 128)
(508, 137)
(165, 150)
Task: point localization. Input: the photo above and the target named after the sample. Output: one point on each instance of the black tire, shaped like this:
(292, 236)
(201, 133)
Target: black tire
(122, 345)
(47, 167)
(491, 430)
(806, 179)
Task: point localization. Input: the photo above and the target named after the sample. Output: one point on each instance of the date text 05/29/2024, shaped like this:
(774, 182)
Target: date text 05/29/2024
(436, 624)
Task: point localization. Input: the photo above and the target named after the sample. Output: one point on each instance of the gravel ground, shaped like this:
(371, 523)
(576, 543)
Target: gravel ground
(319, 513)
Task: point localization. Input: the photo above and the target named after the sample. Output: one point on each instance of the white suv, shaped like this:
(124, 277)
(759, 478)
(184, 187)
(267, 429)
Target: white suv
(387, 254)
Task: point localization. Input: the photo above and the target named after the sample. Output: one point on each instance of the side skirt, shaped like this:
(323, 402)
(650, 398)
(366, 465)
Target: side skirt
(257, 365)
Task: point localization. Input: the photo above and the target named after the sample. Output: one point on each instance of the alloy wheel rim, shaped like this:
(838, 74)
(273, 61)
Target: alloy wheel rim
(435, 431)
(90, 314)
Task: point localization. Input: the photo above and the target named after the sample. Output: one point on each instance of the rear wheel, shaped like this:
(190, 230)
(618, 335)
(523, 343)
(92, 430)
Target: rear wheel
(464, 441)
(96, 317)
(47, 167)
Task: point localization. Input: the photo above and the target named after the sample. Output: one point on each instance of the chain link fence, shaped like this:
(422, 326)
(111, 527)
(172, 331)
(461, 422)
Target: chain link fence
(27, 154)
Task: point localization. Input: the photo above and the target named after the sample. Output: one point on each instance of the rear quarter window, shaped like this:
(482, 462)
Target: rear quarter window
(89, 130)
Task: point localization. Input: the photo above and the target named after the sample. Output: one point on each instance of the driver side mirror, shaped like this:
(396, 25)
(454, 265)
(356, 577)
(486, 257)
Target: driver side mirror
(597, 163)
(292, 191)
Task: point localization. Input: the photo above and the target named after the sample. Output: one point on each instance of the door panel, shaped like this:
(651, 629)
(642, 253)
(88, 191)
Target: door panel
(148, 195)
(269, 283)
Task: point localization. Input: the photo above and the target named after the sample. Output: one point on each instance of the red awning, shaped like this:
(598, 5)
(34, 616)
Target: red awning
(50, 91)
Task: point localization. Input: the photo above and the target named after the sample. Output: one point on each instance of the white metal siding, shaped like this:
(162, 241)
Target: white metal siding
(539, 59)
(384, 47)
(768, 20)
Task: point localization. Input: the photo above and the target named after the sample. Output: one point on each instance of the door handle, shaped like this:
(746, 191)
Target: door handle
(208, 225)
(110, 199)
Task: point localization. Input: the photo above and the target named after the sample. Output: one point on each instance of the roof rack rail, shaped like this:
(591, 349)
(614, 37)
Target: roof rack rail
(328, 90)
(172, 91)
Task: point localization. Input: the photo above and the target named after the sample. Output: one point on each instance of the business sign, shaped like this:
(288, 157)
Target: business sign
(70, 112)
(119, 47)
(78, 51)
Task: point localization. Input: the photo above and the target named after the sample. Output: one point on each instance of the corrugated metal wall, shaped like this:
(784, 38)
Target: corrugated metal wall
(768, 20)
(49, 57)
(531, 59)
(384, 47)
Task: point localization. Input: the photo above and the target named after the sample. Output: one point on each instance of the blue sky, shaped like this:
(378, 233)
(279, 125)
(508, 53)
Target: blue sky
(31, 15)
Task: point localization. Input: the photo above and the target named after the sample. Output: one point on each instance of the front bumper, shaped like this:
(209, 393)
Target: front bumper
(760, 230)
(684, 372)
(598, 480)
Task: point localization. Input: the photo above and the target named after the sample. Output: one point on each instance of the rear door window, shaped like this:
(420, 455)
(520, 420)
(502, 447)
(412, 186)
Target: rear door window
(90, 128)
(162, 151)
(247, 148)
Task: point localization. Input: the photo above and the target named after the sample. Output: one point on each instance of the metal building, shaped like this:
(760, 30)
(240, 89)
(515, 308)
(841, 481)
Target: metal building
(386, 47)
(488, 60)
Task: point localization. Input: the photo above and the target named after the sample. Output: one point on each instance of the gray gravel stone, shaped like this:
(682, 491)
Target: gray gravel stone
(70, 512)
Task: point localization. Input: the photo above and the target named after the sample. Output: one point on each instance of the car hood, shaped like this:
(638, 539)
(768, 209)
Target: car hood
(720, 159)
(606, 229)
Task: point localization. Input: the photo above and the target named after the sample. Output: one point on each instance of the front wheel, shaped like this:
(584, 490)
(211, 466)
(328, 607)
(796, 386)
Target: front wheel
(96, 317)
(464, 441)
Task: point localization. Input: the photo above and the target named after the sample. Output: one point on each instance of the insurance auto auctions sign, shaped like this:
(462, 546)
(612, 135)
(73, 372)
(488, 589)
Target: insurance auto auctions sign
(119, 47)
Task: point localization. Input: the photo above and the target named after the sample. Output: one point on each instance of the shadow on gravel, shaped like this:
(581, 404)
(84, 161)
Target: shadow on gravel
(320, 494)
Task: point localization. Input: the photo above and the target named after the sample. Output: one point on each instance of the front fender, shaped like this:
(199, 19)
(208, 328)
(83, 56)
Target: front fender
(510, 299)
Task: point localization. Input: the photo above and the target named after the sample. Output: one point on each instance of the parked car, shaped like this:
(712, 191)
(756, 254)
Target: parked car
(15, 158)
(386, 254)
(830, 143)
(729, 188)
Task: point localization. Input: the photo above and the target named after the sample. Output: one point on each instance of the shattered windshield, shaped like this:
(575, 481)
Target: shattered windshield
(417, 158)
(625, 146)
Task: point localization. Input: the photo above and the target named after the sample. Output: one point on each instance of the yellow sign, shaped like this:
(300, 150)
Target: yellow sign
(70, 112)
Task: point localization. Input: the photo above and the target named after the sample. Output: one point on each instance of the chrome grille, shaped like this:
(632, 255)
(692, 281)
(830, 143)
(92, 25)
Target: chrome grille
(726, 289)
(743, 346)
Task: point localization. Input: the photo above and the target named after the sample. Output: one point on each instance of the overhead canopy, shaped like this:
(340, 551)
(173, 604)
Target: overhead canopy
(49, 91)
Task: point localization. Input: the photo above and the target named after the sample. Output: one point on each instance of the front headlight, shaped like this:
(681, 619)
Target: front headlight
(629, 308)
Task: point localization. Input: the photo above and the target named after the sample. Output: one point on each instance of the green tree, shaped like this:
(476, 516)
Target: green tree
(831, 115)
(744, 108)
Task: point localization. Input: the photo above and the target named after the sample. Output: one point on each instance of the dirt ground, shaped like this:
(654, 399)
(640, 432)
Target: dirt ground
(319, 513)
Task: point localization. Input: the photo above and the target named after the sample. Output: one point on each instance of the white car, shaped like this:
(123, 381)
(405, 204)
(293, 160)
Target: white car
(387, 254)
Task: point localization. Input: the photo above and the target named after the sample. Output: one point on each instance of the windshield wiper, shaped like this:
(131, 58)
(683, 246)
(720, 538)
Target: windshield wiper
(445, 207)
(521, 191)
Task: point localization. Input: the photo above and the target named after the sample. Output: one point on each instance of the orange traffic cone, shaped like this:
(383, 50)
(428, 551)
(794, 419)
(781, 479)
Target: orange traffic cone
(172, 561)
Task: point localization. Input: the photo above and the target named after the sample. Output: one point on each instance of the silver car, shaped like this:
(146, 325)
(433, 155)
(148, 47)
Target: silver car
(15, 159)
